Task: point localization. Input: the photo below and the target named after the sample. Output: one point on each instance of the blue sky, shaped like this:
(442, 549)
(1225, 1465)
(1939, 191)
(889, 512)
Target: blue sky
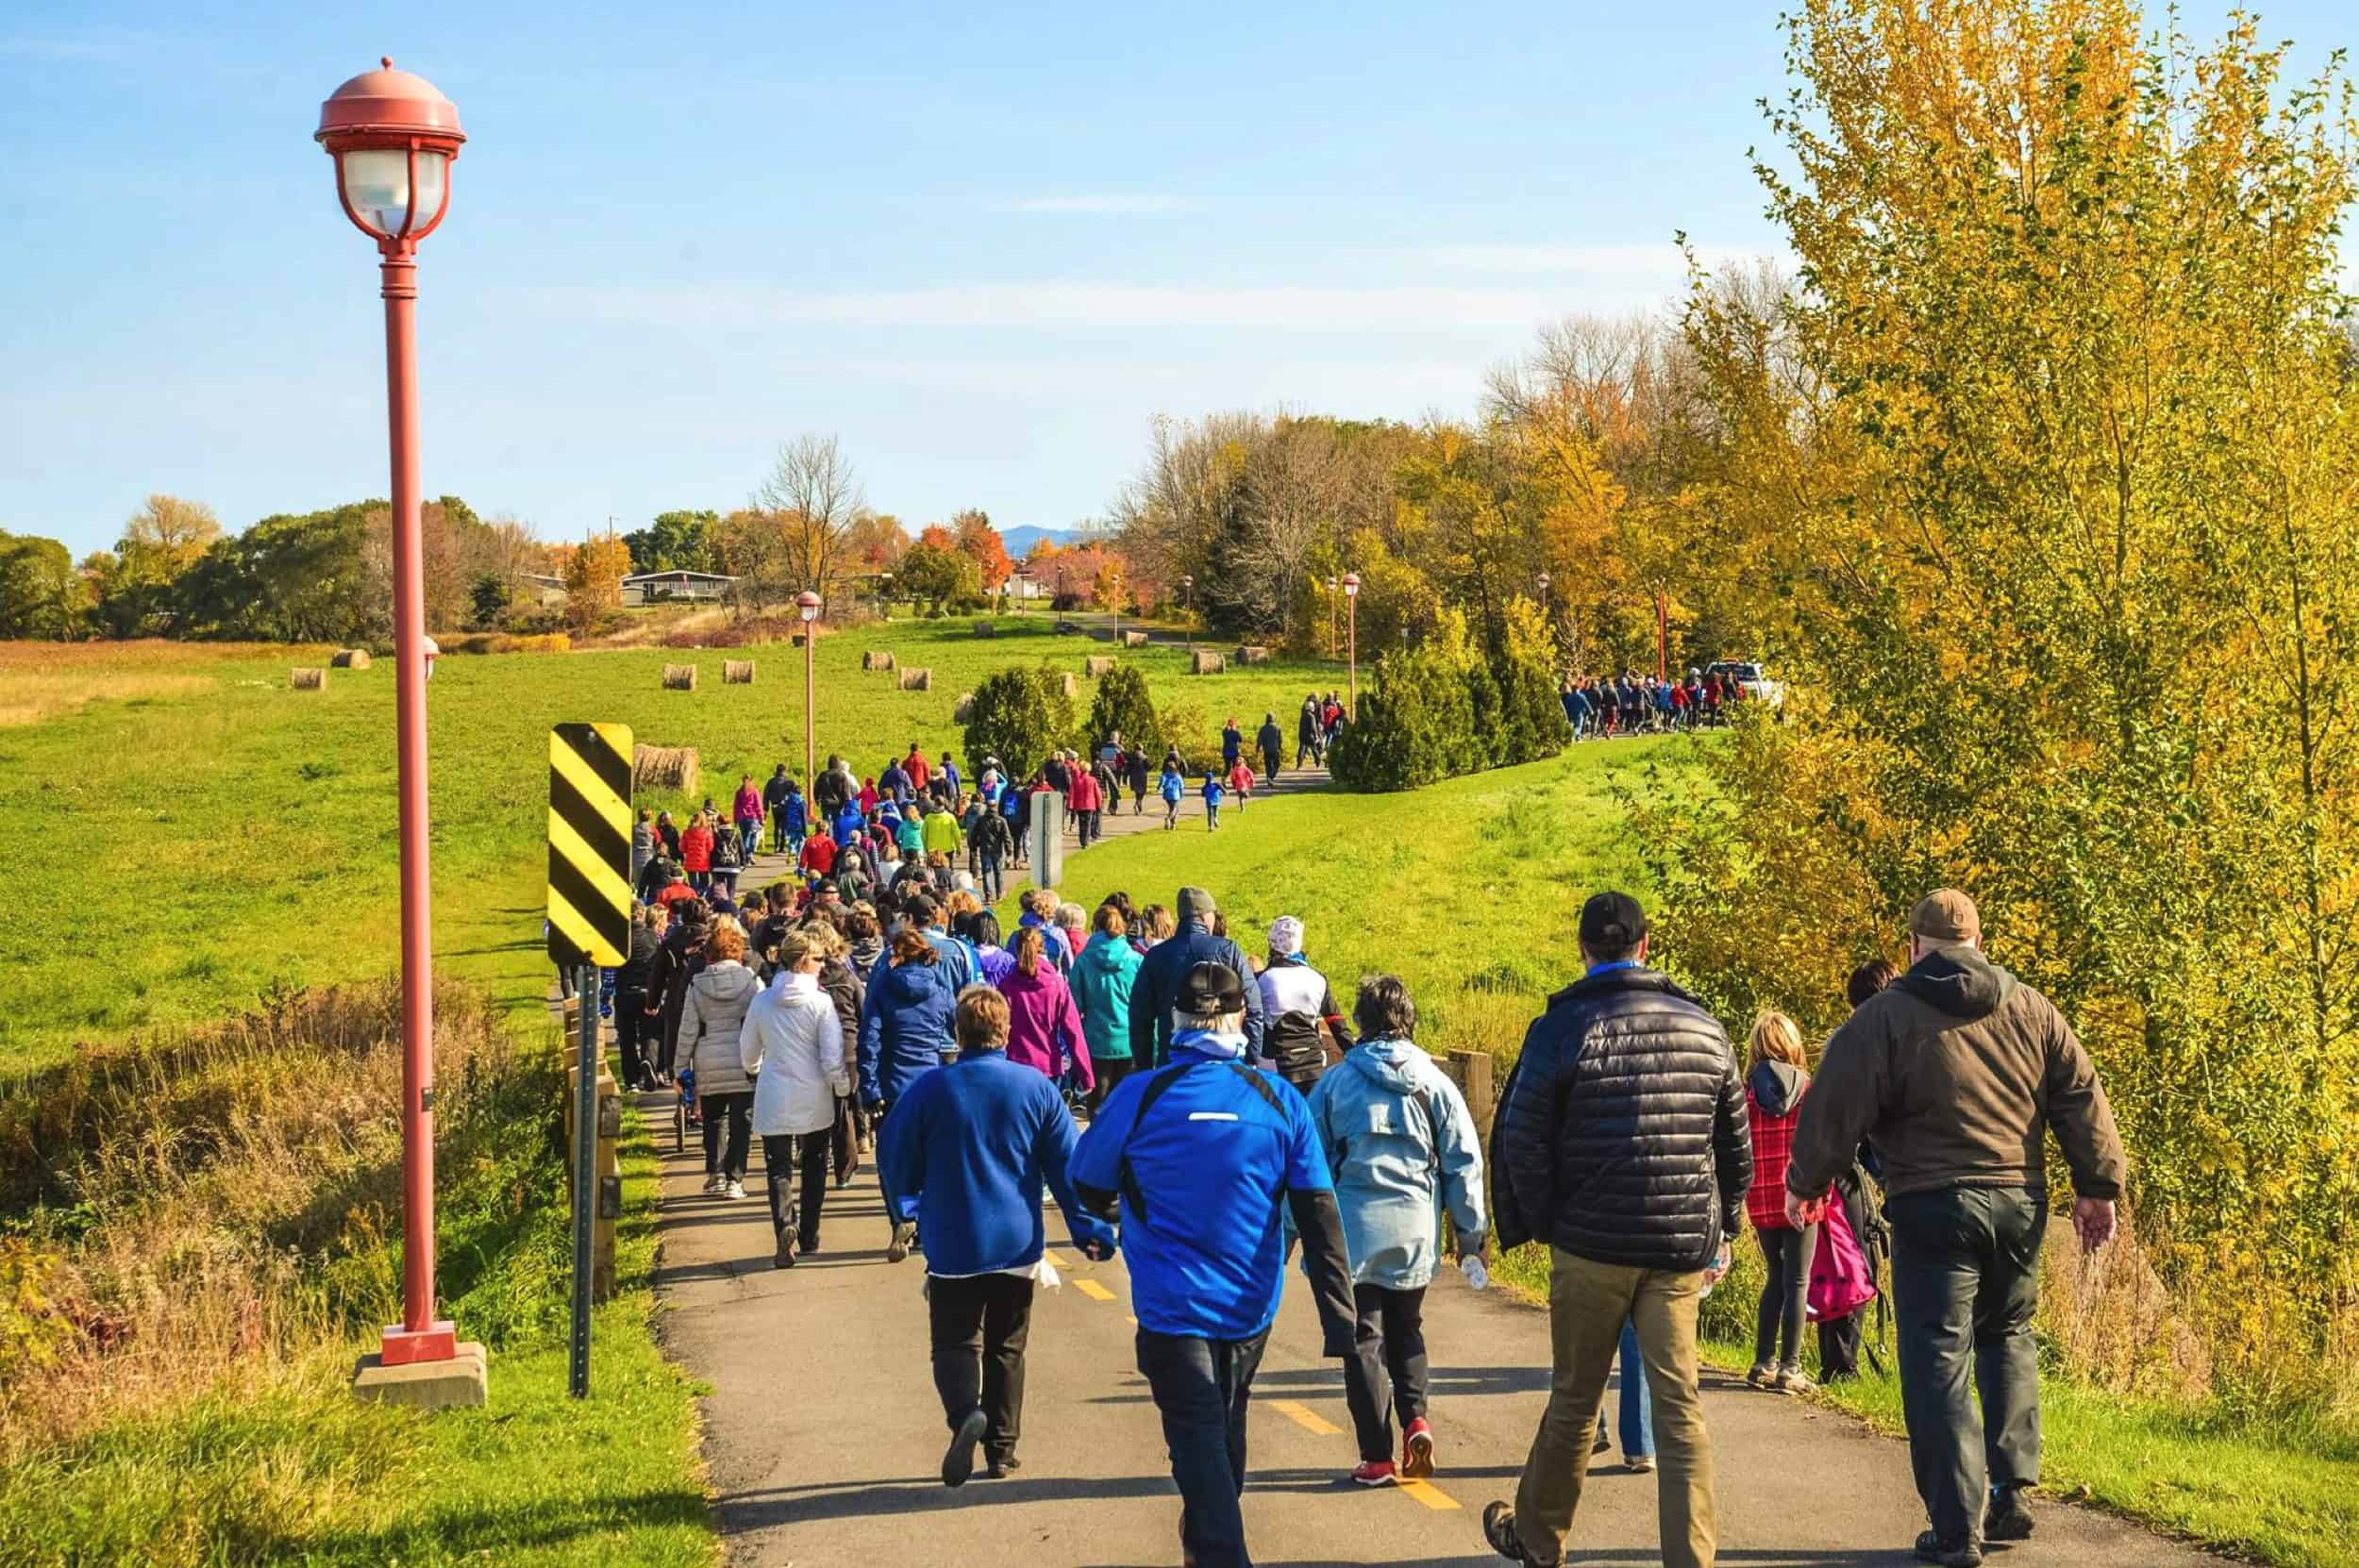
(984, 245)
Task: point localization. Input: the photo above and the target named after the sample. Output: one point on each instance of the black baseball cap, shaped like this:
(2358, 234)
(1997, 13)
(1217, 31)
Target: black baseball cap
(1612, 923)
(1211, 990)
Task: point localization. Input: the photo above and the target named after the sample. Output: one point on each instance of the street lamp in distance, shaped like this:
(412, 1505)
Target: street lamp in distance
(1351, 617)
(1333, 587)
(392, 137)
(1187, 604)
(807, 605)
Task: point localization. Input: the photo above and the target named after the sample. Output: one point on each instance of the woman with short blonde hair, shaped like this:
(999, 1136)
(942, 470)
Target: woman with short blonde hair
(1776, 1078)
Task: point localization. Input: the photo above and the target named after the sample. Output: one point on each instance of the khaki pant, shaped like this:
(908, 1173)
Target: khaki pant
(1587, 1303)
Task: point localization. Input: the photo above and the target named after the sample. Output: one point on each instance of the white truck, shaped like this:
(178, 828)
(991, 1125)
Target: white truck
(1755, 681)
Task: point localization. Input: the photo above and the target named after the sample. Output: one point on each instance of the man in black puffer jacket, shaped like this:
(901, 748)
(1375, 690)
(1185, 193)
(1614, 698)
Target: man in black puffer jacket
(1622, 1142)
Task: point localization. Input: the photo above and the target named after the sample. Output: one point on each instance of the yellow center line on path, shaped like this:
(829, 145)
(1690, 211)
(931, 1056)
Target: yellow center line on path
(1062, 1264)
(1093, 1289)
(1304, 1416)
(1430, 1496)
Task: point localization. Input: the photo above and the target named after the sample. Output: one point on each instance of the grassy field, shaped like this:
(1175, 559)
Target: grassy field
(242, 833)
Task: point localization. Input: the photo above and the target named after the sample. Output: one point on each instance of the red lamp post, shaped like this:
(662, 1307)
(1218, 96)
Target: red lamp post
(1351, 621)
(392, 137)
(808, 604)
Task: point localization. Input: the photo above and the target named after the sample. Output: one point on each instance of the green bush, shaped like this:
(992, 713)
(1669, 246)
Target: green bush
(1124, 706)
(1019, 715)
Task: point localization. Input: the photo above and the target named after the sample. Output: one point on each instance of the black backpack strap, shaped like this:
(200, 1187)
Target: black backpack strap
(1124, 1182)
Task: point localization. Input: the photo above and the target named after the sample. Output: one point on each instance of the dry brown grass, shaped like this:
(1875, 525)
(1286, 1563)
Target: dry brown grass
(38, 680)
(205, 1211)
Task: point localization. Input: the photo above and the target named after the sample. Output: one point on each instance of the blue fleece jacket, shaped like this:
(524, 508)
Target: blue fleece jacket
(966, 1153)
(1214, 1162)
(905, 1028)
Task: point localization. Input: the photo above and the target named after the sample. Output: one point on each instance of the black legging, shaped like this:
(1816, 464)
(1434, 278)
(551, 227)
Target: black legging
(737, 1111)
(1778, 1328)
(1390, 1341)
(780, 1165)
(635, 1030)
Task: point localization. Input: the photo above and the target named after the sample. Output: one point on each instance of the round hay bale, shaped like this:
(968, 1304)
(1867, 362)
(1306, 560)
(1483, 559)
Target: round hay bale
(679, 678)
(917, 680)
(1251, 655)
(984, 629)
(877, 658)
(351, 659)
(1072, 685)
(1098, 666)
(308, 680)
(963, 708)
(737, 672)
(1206, 662)
(1135, 640)
(674, 769)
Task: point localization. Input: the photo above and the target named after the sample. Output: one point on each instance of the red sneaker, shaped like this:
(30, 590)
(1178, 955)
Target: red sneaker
(1416, 1451)
(1374, 1473)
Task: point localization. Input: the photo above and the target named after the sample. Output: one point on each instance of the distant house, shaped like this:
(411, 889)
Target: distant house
(653, 587)
(544, 588)
(1024, 588)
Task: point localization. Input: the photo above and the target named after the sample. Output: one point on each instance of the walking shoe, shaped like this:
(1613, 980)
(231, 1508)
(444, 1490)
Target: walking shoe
(1001, 1467)
(1639, 1464)
(1416, 1451)
(1499, 1528)
(784, 1256)
(904, 1232)
(1965, 1554)
(1793, 1379)
(712, 1183)
(1373, 1473)
(1602, 1441)
(958, 1460)
(1764, 1376)
(2009, 1517)
(735, 1189)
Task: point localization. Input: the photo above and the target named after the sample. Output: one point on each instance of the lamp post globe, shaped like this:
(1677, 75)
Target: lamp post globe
(1545, 579)
(1187, 602)
(393, 138)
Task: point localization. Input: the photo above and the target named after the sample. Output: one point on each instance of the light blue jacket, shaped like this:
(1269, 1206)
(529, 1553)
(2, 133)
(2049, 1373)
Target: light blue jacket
(1376, 1116)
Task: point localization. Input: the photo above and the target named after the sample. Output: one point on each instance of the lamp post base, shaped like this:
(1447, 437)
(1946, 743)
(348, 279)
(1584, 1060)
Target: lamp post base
(462, 1378)
(436, 1341)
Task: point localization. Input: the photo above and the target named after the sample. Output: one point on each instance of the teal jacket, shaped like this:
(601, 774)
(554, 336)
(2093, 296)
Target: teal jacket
(1101, 984)
(1402, 1145)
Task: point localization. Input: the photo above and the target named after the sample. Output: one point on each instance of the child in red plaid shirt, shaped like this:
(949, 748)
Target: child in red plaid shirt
(1775, 1080)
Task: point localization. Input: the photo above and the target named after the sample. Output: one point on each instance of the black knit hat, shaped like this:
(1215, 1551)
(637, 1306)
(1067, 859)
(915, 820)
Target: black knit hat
(1612, 923)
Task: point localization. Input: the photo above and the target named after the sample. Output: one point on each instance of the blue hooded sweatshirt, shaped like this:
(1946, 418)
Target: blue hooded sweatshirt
(1213, 1162)
(1401, 1146)
(966, 1153)
(848, 825)
(905, 1027)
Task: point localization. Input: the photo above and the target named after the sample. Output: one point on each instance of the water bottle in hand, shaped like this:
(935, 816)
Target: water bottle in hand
(1477, 1276)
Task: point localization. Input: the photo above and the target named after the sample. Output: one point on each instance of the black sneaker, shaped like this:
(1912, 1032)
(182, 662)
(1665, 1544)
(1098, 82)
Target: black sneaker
(958, 1460)
(1001, 1466)
(1965, 1554)
(1604, 1441)
(2009, 1517)
(784, 1256)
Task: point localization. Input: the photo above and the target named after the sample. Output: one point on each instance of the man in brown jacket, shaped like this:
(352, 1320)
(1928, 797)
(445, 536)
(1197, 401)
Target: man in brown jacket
(1955, 1073)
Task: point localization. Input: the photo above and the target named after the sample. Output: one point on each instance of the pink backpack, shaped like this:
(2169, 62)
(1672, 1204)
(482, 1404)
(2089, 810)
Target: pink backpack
(1840, 1283)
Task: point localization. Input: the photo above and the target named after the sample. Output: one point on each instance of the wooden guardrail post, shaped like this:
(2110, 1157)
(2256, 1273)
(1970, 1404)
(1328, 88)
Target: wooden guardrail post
(606, 1166)
(1473, 1072)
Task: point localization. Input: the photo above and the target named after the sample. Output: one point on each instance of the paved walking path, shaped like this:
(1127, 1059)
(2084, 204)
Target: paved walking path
(823, 1434)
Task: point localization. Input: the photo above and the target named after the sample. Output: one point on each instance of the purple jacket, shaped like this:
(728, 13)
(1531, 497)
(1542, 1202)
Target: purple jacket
(1043, 1024)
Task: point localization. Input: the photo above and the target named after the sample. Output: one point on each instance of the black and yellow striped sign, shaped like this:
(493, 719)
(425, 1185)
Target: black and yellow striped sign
(589, 844)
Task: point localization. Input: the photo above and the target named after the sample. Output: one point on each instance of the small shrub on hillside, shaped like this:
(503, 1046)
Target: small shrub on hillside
(1019, 715)
(554, 641)
(531, 620)
(1447, 706)
(1123, 705)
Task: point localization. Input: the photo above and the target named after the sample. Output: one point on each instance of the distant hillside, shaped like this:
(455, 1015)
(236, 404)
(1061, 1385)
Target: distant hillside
(1020, 540)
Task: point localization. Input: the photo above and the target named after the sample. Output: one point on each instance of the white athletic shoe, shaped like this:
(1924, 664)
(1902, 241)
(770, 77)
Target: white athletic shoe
(737, 1189)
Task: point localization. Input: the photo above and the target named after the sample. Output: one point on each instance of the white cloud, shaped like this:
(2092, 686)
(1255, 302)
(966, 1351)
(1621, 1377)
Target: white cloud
(1292, 308)
(1111, 203)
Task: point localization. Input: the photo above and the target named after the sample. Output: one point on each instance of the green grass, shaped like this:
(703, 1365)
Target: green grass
(244, 833)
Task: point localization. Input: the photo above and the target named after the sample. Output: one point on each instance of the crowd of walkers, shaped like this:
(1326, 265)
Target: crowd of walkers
(1601, 707)
(1235, 1110)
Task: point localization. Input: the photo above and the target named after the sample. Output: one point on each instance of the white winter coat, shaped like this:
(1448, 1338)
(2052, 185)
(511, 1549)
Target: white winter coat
(793, 1048)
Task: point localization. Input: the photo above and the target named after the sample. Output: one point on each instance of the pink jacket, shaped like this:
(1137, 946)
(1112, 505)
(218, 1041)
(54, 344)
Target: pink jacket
(748, 804)
(1044, 1024)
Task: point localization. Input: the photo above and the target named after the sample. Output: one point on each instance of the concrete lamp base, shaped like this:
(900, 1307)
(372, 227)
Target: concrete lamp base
(429, 1385)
